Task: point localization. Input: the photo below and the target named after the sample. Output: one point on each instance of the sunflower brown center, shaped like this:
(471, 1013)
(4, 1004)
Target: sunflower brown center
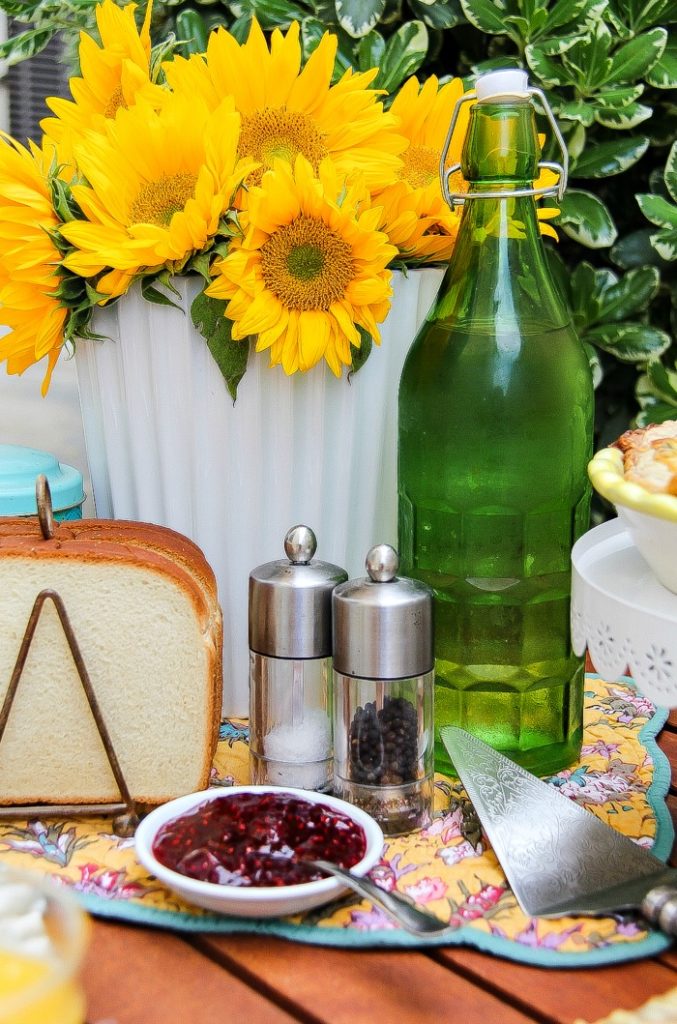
(115, 101)
(306, 265)
(158, 201)
(276, 132)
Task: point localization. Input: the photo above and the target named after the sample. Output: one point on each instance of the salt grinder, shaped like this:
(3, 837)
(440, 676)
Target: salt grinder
(383, 694)
(290, 740)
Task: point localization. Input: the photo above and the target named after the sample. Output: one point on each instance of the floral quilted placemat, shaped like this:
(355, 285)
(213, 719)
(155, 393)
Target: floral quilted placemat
(449, 868)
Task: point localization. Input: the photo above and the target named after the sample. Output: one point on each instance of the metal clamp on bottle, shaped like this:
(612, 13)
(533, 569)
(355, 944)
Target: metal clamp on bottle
(512, 84)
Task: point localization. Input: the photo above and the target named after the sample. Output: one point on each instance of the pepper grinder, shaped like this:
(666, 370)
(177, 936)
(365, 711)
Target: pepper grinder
(383, 694)
(290, 643)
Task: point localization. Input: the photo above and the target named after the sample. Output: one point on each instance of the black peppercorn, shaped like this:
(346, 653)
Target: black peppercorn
(384, 743)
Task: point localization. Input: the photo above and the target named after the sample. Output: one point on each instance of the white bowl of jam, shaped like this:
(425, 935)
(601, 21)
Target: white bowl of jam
(241, 851)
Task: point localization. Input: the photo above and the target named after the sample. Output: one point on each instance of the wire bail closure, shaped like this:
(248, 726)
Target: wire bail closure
(459, 198)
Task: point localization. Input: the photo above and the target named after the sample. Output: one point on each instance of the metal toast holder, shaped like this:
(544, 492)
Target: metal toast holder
(127, 816)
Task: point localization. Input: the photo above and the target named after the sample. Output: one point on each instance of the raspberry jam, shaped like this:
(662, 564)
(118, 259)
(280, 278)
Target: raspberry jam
(258, 839)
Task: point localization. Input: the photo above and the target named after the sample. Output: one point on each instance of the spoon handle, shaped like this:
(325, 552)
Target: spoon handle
(418, 922)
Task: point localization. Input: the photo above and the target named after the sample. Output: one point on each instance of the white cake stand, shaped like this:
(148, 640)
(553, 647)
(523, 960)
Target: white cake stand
(622, 614)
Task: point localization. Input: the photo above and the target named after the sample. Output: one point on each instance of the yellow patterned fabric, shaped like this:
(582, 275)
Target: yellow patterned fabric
(448, 868)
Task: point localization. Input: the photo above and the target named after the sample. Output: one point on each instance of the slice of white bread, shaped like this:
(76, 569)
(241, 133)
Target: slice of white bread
(142, 603)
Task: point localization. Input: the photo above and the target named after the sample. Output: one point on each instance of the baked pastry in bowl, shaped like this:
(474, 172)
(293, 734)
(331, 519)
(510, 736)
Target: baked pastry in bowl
(638, 474)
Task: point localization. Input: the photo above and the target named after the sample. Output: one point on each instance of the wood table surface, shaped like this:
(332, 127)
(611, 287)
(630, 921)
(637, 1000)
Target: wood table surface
(137, 975)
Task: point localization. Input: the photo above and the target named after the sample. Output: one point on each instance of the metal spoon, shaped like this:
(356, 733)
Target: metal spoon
(418, 922)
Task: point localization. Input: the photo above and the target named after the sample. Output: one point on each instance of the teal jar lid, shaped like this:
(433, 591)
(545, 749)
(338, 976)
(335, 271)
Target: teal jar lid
(20, 466)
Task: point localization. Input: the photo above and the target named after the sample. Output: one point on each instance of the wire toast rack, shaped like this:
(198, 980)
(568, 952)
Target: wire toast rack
(125, 811)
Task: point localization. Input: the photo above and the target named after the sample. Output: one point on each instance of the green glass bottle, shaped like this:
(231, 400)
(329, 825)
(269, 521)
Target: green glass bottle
(495, 433)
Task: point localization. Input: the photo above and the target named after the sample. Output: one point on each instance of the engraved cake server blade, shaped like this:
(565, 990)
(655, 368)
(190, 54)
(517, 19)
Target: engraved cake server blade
(558, 857)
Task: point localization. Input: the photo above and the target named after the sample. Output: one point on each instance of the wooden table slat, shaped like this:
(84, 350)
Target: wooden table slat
(565, 995)
(137, 976)
(354, 986)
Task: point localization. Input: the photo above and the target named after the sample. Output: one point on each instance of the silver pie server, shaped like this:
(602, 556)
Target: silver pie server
(558, 857)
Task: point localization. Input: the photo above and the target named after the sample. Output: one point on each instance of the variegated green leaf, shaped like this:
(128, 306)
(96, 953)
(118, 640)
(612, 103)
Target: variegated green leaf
(632, 60)
(24, 45)
(520, 24)
(609, 158)
(665, 243)
(652, 12)
(617, 23)
(619, 95)
(635, 250)
(576, 141)
(577, 110)
(357, 17)
(656, 412)
(595, 365)
(548, 70)
(485, 15)
(404, 53)
(584, 217)
(588, 59)
(631, 343)
(438, 14)
(663, 75)
(577, 12)
(556, 45)
(586, 284)
(671, 171)
(370, 51)
(658, 210)
(623, 118)
(629, 295)
(662, 382)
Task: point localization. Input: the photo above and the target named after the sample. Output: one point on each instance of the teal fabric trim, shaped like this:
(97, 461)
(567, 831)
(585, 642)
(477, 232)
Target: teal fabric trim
(349, 938)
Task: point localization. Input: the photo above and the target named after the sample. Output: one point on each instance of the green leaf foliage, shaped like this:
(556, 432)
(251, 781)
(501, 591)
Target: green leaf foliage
(358, 17)
(485, 15)
(404, 53)
(192, 31)
(622, 118)
(663, 74)
(24, 45)
(638, 56)
(440, 14)
(635, 250)
(361, 354)
(208, 316)
(611, 157)
(585, 218)
(630, 343)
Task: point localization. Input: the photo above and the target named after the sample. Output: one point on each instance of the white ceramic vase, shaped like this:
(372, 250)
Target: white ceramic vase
(167, 445)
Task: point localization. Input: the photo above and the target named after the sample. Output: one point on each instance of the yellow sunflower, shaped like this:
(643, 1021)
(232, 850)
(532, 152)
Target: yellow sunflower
(114, 74)
(28, 261)
(310, 269)
(415, 215)
(286, 111)
(159, 182)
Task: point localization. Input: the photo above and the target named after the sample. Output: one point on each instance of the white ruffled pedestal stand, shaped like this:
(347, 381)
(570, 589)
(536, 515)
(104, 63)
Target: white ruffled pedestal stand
(622, 615)
(166, 444)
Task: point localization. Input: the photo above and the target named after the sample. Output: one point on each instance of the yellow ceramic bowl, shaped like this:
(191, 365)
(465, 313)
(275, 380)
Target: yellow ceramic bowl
(650, 518)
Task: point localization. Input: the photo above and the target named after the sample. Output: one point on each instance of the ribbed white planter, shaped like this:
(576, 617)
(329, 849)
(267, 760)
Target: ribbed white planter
(166, 444)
